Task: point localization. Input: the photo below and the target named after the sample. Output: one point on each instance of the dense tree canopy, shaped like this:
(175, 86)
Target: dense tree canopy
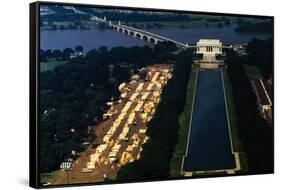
(256, 134)
(57, 54)
(260, 53)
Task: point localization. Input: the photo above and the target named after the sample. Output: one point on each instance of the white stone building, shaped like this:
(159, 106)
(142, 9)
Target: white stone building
(209, 46)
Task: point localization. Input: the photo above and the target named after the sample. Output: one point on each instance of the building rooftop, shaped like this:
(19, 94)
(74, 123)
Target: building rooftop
(262, 92)
(209, 42)
(268, 88)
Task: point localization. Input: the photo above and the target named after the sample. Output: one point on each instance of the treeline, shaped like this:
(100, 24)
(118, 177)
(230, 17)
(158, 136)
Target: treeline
(155, 158)
(143, 17)
(256, 134)
(153, 19)
(51, 25)
(260, 53)
(217, 22)
(59, 55)
(254, 27)
(73, 96)
(63, 17)
(62, 14)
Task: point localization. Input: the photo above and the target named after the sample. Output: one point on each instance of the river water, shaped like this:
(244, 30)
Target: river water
(209, 145)
(94, 38)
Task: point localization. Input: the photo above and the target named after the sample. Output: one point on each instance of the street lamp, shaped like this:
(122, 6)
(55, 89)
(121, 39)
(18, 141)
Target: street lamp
(67, 166)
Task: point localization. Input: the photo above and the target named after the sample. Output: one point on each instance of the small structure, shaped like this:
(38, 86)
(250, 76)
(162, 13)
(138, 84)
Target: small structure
(263, 90)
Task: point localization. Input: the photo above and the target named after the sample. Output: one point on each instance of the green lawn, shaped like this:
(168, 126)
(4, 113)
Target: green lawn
(252, 71)
(50, 65)
(184, 119)
(236, 141)
(237, 145)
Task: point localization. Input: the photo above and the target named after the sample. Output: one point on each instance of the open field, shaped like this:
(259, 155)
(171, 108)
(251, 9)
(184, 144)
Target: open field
(184, 119)
(50, 65)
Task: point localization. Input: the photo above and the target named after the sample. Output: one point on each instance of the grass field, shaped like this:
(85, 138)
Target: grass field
(252, 71)
(184, 119)
(236, 141)
(49, 66)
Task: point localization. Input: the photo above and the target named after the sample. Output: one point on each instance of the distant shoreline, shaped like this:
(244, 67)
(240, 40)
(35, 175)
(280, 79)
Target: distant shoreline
(87, 25)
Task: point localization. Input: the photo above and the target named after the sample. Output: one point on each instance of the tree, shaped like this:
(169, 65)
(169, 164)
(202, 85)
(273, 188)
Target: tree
(43, 57)
(48, 53)
(103, 49)
(227, 22)
(67, 53)
(57, 54)
(260, 53)
(219, 25)
(62, 27)
(54, 27)
(256, 134)
(79, 49)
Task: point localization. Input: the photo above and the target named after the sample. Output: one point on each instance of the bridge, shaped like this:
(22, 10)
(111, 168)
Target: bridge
(144, 35)
(139, 33)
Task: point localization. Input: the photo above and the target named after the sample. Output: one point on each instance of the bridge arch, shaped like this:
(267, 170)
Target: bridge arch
(152, 40)
(145, 38)
(138, 35)
(126, 31)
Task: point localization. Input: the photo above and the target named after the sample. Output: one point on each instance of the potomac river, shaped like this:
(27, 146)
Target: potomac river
(95, 38)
